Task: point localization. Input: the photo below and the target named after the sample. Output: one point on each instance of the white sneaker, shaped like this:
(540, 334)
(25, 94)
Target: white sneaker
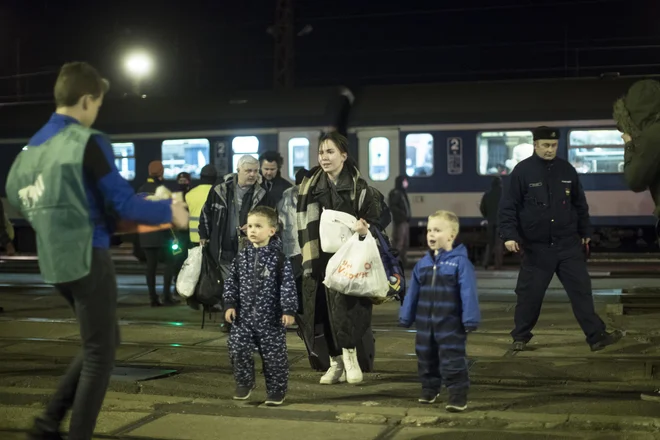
(335, 373)
(353, 372)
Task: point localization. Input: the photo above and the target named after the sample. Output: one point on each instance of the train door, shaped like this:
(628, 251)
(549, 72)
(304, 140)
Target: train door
(378, 156)
(299, 150)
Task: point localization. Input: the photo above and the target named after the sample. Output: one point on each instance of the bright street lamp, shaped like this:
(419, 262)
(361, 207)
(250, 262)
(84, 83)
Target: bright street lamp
(138, 65)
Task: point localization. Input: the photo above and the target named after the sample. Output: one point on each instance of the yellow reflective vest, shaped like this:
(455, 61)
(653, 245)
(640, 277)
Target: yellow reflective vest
(195, 198)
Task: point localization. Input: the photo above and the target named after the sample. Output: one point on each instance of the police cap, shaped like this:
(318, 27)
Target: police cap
(545, 133)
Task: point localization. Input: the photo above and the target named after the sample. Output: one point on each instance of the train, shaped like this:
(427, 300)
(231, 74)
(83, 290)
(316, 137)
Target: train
(449, 139)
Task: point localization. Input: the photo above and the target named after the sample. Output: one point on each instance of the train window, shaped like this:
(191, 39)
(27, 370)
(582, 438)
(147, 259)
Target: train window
(379, 159)
(419, 155)
(596, 151)
(298, 155)
(499, 152)
(184, 155)
(242, 145)
(125, 159)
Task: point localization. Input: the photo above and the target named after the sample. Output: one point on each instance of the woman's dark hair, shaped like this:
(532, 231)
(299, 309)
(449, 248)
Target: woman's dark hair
(341, 142)
(338, 139)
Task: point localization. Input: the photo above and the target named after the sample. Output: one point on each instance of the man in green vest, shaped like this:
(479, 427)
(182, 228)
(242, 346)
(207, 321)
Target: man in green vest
(65, 183)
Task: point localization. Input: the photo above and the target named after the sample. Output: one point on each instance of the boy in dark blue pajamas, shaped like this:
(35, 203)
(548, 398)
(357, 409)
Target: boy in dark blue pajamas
(260, 299)
(442, 299)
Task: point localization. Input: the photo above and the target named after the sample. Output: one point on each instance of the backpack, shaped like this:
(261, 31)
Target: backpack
(388, 255)
(209, 289)
(393, 267)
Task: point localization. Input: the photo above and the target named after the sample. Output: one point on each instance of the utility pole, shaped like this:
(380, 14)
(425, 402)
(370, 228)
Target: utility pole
(282, 32)
(18, 69)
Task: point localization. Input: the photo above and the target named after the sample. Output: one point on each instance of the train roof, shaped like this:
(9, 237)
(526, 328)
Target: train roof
(468, 102)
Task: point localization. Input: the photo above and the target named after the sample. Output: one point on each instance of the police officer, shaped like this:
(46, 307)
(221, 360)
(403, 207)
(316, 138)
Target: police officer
(544, 214)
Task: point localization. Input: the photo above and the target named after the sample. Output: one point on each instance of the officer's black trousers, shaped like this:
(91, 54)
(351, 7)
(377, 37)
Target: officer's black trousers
(539, 264)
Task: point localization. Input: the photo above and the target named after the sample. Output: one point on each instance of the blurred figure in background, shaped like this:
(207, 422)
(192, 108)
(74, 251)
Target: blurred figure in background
(489, 207)
(155, 244)
(196, 197)
(401, 214)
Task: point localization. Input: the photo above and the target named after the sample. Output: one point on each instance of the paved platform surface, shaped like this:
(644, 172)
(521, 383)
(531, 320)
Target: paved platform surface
(558, 389)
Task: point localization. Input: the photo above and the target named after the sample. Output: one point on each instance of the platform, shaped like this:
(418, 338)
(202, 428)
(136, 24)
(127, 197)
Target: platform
(558, 389)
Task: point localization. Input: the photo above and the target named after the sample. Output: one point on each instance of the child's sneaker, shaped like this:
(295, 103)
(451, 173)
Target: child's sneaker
(457, 403)
(428, 396)
(243, 393)
(275, 399)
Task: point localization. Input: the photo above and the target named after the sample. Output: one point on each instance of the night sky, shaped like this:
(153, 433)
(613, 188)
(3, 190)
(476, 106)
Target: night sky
(201, 47)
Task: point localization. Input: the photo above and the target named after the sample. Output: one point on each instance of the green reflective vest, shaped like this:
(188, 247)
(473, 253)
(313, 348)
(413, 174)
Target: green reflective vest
(46, 184)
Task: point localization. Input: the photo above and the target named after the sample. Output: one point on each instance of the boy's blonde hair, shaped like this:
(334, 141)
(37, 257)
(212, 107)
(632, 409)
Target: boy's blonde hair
(449, 217)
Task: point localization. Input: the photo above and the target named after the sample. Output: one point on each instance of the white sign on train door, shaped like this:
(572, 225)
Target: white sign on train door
(299, 150)
(378, 158)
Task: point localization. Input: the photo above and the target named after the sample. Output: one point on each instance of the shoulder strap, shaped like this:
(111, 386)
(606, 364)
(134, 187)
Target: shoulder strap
(363, 194)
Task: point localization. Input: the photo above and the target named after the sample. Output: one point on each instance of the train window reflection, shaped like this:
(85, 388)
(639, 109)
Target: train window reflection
(125, 159)
(499, 152)
(298, 155)
(596, 151)
(242, 145)
(419, 155)
(379, 159)
(184, 155)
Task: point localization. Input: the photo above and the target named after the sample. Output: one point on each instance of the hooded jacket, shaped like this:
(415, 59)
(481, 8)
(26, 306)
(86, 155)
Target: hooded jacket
(638, 115)
(260, 285)
(214, 222)
(442, 286)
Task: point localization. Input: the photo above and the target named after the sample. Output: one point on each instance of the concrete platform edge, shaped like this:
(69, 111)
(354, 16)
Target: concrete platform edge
(406, 416)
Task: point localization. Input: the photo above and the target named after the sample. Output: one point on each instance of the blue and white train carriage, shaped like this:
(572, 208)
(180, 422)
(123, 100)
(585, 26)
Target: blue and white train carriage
(450, 139)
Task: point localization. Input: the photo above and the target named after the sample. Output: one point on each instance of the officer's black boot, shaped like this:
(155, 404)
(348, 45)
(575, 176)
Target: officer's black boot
(608, 339)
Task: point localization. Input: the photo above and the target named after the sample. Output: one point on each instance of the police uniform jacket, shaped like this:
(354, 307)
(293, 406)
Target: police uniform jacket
(544, 203)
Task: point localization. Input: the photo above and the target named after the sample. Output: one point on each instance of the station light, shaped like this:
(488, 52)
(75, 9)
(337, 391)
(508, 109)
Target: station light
(139, 64)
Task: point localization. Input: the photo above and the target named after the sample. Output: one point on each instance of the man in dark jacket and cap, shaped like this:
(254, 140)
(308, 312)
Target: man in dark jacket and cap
(544, 213)
(489, 206)
(401, 214)
(638, 117)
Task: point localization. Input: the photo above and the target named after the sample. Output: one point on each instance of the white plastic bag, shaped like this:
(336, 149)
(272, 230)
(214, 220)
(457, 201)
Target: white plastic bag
(188, 276)
(335, 229)
(357, 270)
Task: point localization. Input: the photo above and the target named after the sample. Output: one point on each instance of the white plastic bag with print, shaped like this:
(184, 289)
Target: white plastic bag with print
(357, 270)
(188, 276)
(335, 229)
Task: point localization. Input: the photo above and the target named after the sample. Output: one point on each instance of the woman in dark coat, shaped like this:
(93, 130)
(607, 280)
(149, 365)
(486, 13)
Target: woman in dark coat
(335, 184)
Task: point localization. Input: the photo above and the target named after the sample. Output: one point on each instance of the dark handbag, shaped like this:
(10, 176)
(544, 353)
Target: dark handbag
(210, 287)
